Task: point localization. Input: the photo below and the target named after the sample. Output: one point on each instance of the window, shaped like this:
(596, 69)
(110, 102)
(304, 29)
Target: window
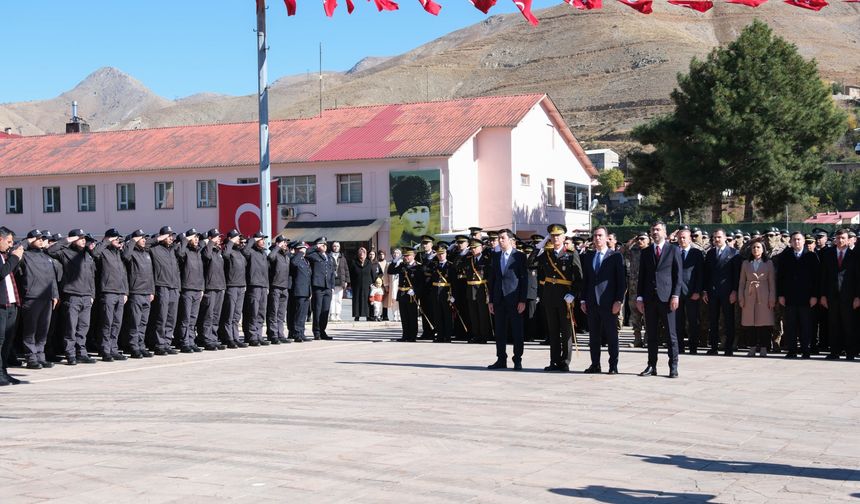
(575, 196)
(550, 192)
(125, 196)
(349, 188)
(525, 180)
(247, 180)
(163, 195)
(14, 200)
(207, 194)
(51, 199)
(297, 190)
(597, 160)
(86, 198)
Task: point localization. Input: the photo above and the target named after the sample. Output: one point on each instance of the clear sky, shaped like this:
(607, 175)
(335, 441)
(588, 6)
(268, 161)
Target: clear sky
(181, 47)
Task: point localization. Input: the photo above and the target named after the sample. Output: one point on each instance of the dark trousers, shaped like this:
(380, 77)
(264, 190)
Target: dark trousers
(509, 320)
(657, 312)
(717, 305)
(602, 326)
(254, 313)
(479, 312)
(162, 322)
(442, 316)
(111, 308)
(798, 326)
(408, 317)
(209, 317)
(137, 317)
(559, 329)
(302, 305)
(820, 339)
(276, 313)
(189, 310)
(231, 313)
(841, 326)
(459, 288)
(8, 317)
(687, 318)
(76, 311)
(35, 322)
(427, 302)
(758, 336)
(321, 305)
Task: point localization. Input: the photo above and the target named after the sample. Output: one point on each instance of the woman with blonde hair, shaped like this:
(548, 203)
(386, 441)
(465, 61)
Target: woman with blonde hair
(757, 298)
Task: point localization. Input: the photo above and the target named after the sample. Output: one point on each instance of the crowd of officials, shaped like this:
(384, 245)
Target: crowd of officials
(189, 292)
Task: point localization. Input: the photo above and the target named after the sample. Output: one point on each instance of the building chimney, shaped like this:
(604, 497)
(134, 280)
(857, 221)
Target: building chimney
(8, 131)
(76, 124)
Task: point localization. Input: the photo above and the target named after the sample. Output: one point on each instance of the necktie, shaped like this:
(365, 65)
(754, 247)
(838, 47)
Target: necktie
(504, 261)
(597, 261)
(839, 262)
(657, 251)
(685, 254)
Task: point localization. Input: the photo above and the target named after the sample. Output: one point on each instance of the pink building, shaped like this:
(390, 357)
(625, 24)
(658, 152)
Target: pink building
(505, 161)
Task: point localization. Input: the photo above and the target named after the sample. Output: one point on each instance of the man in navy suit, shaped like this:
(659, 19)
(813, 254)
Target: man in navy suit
(508, 296)
(693, 262)
(605, 284)
(722, 273)
(322, 285)
(659, 293)
(839, 295)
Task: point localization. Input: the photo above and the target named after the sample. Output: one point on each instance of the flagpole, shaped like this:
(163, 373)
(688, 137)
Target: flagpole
(263, 102)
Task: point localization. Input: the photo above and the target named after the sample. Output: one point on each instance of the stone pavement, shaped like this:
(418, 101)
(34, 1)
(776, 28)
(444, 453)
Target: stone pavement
(353, 420)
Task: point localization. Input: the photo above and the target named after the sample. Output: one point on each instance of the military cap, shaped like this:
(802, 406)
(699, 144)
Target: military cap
(556, 229)
(683, 227)
(492, 235)
(473, 243)
(747, 236)
(441, 247)
(756, 233)
(820, 233)
(642, 234)
(528, 248)
(852, 233)
(695, 231)
(808, 238)
(410, 192)
(475, 229)
(191, 232)
(47, 235)
(139, 233)
(76, 233)
(785, 232)
(233, 233)
(165, 230)
(408, 251)
(35, 233)
(112, 233)
(321, 239)
(280, 238)
(536, 238)
(578, 239)
(299, 245)
(737, 233)
(212, 233)
(259, 236)
(461, 238)
(58, 236)
(427, 238)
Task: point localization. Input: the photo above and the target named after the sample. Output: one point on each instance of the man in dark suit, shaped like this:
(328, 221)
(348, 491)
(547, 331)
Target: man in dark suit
(508, 295)
(693, 262)
(839, 295)
(10, 300)
(659, 294)
(722, 272)
(605, 283)
(797, 290)
(300, 272)
(322, 282)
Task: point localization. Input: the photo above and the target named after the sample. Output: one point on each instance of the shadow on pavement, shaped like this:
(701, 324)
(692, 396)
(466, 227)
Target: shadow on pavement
(445, 366)
(734, 466)
(616, 495)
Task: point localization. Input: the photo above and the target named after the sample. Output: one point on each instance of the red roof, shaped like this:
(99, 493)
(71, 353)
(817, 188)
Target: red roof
(831, 217)
(4, 135)
(427, 129)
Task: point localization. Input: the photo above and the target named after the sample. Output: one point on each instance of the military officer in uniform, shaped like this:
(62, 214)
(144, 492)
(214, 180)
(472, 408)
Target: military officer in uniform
(408, 292)
(426, 296)
(279, 291)
(632, 252)
(443, 301)
(458, 252)
(474, 269)
(322, 285)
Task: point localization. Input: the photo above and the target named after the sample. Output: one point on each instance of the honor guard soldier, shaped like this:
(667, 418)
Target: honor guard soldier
(113, 292)
(561, 273)
(37, 286)
(459, 253)
(193, 284)
(279, 291)
(533, 322)
(411, 281)
(475, 233)
(300, 271)
(215, 284)
(234, 297)
(474, 269)
(425, 258)
(141, 291)
(441, 271)
(257, 289)
(165, 268)
(322, 285)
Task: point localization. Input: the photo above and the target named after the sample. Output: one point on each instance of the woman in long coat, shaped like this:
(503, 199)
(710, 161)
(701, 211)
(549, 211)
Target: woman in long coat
(360, 277)
(757, 298)
(392, 283)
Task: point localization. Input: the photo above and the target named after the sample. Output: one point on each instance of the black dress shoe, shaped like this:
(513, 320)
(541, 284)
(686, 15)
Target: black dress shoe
(518, 365)
(160, 351)
(551, 367)
(791, 355)
(46, 364)
(146, 353)
(592, 370)
(612, 370)
(136, 355)
(71, 361)
(4, 382)
(284, 340)
(232, 345)
(107, 358)
(712, 351)
(498, 365)
(118, 356)
(694, 351)
(649, 371)
(274, 341)
(86, 359)
(831, 357)
(171, 351)
(186, 349)
(326, 337)
(673, 373)
(196, 348)
(728, 353)
(242, 344)
(34, 365)
(14, 381)
(254, 343)
(805, 355)
(211, 348)
(564, 368)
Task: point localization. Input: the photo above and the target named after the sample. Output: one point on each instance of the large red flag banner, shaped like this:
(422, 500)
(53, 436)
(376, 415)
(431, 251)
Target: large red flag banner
(239, 207)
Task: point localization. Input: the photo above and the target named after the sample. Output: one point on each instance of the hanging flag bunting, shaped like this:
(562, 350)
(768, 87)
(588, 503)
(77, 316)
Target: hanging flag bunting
(349, 6)
(748, 3)
(525, 6)
(329, 6)
(589, 4)
(483, 5)
(696, 5)
(388, 5)
(643, 6)
(434, 8)
(291, 7)
(815, 5)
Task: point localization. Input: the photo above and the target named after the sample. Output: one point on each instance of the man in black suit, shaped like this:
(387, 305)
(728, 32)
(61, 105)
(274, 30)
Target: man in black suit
(605, 283)
(659, 293)
(300, 273)
(10, 300)
(722, 272)
(839, 295)
(322, 282)
(797, 290)
(508, 295)
(693, 262)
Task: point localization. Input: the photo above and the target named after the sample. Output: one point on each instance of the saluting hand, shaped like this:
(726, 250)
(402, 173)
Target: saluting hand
(18, 252)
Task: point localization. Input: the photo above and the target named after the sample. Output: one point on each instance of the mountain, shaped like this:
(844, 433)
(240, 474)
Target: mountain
(607, 70)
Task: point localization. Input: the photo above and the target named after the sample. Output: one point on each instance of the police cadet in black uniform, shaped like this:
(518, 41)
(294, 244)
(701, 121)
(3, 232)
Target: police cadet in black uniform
(191, 276)
(279, 291)
(300, 271)
(113, 292)
(425, 258)
(533, 321)
(322, 284)
(409, 289)
(257, 290)
(561, 273)
(165, 269)
(54, 343)
(441, 271)
(474, 269)
(213, 295)
(37, 286)
(457, 253)
(141, 291)
(79, 290)
(234, 297)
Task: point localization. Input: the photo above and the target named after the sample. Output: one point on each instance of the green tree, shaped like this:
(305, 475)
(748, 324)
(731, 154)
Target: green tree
(754, 117)
(609, 181)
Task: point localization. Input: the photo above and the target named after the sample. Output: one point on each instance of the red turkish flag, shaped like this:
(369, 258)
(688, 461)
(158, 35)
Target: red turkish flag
(239, 207)
(748, 3)
(587, 4)
(329, 6)
(525, 6)
(434, 8)
(385, 5)
(696, 5)
(815, 5)
(349, 6)
(291, 7)
(643, 6)
(483, 5)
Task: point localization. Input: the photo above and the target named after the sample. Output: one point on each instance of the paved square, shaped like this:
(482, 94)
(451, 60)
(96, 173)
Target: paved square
(354, 420)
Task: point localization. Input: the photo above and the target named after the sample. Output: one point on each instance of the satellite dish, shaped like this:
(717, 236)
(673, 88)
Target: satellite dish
(593, 205)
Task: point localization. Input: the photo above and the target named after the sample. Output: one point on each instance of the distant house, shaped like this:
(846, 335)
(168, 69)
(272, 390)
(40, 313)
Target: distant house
(7, 133)
(835, 218)
(603, 159)
(853, 92)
